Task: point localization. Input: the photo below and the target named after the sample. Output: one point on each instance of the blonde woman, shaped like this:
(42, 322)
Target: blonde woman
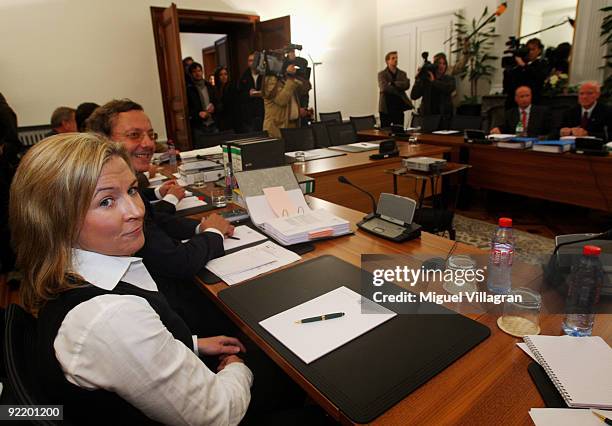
(109, 346)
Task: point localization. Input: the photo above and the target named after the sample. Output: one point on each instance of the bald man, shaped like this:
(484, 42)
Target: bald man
(589, 117)
(535, 119)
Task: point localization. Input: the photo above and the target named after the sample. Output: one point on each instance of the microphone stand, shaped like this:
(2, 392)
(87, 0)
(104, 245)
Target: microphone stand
(345, 181)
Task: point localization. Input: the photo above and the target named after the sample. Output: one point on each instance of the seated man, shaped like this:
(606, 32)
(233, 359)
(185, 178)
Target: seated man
(63, 120)
(172, 263)
(589, 117)
(525, 120)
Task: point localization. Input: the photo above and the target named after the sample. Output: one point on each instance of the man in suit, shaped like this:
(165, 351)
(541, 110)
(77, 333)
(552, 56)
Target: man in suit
(63, 120)
(252, 106)
(200, 97)
(172, 263)
(589, 117)
(392, 86)
(533, 119)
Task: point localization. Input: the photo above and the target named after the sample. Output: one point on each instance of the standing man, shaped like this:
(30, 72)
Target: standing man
(249, 88)
(531, 72)
(392, 85)
(201, 106)
(589, 117)
(534, 119)
(63, 120)
(281, 104)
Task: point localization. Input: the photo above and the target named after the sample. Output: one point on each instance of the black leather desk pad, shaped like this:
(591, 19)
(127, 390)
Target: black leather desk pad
(370, 374)
(551, 396)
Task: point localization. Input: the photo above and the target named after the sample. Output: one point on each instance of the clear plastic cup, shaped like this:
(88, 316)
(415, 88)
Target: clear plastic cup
(521, 317)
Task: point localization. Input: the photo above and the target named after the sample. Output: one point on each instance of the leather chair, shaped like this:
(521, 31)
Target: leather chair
(331, 116)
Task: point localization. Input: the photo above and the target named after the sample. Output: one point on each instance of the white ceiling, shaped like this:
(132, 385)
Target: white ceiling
(541, 6)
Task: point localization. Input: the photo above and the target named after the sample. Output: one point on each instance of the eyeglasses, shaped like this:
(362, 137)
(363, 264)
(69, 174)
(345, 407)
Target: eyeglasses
(138, 135)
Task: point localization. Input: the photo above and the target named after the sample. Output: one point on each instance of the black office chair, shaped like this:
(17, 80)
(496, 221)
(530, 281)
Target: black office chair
(363, 123)
(331, 116)
(430, 123)
(250, 135)
(341, 134)
(19, 358)
(299, 139)
(462, 122)
(320, 133)
(434, 220)
(214, 139)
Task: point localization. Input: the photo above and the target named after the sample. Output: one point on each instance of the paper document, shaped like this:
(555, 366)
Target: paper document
(251, 262)
(260, 210)
(567, 417)
(158, 178)
(279, 201)
(501, 136)
(193, 154)
(313, 154)
(365, 145)
(311, 341)
(310, 225)
(188, 203)
(445, 132)
(247, 236)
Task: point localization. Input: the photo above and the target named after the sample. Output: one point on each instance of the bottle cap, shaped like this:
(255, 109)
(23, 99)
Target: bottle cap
(591, 251)
(505, 222)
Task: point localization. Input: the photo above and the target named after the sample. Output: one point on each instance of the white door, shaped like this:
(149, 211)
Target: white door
(411, 38)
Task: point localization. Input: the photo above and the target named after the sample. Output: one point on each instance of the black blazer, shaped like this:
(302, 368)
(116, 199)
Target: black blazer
(163, 253)
(251, 108)
(599, 119)
(538, 125)
(148, 194)
(195, 104)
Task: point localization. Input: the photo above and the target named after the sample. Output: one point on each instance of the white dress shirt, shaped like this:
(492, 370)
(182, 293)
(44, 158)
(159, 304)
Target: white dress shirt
(588, 111)
(118, 343)
(168, 197)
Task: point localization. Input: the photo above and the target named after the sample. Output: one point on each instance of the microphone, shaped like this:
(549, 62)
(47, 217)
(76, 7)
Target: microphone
(607, 235)
(344, 180)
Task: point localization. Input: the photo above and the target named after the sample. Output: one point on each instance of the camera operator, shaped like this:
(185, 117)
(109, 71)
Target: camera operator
(303, 75)
(281, 103)
(436, 87)
(393, 101)
(530, 70)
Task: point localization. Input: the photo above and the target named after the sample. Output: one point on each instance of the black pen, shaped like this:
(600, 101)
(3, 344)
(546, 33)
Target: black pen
(603, 418)
(234, 238)
(321, 318)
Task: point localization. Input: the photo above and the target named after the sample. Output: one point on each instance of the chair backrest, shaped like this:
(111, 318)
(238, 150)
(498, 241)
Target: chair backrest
(19, 352)
(320, 133)
(214, 139)
(331, 116)
(249, 135)
(363, 123)
(30, 135)
(430, 123)
(341, 133)
(299, 139)
(462, 122)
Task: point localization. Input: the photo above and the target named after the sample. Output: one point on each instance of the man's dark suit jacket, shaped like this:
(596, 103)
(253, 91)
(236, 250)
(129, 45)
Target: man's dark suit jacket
(538, 124)
(600, 118)
(252, 108)
(173, 264)
(195, 104)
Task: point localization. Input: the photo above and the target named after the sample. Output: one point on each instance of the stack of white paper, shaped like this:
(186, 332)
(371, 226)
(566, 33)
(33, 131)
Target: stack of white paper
(501, 137)
(567, 417)
(310, 225)
(188, 203)
(314, 154)
(285, 216)
(188, 156)
(251, 262)
(244, 235)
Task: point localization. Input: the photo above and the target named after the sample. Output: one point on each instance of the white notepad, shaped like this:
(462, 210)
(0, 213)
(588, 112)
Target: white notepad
(566, 417)
(579, 367)
(311, 341)
(246, 236)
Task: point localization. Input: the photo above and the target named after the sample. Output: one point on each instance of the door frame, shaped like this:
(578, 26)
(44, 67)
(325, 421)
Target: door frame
(188, 17)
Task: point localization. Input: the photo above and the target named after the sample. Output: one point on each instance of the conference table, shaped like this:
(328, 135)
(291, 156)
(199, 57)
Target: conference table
(570, 178)
(488, 385)
(363, 172)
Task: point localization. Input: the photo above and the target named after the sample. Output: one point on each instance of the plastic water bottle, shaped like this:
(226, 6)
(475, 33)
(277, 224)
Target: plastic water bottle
(584, 284)
(500, 258)
(172, 153)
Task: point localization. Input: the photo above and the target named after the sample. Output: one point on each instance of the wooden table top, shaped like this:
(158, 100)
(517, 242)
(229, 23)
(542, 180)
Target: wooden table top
(488, 385)
(359, 160)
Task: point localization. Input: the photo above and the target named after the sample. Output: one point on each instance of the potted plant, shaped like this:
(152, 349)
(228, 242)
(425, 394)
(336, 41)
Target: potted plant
(476, 50)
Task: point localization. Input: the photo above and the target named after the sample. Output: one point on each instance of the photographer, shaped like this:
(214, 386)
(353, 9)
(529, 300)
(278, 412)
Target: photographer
(436, 87)
(530, 70)
(303, 75)
(281, 103)
(393, 101)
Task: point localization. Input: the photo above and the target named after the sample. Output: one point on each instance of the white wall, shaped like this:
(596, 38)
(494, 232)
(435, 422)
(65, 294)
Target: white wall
(193, 43)
(63, 52)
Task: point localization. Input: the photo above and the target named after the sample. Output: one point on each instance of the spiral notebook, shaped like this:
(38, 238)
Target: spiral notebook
(579, 367)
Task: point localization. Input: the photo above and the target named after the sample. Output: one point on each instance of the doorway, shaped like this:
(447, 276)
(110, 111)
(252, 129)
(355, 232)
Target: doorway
(243, 34)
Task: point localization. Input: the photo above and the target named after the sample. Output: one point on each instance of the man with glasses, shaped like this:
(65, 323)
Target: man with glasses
(172, 263)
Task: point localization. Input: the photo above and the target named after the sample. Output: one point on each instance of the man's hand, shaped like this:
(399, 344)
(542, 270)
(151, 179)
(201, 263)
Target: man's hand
(220, 345)
(304, 112)
(177, 191)
(210, 108)
(163, 189)
(565, 131)
(217, 222)
(495, 131)
(204, 115)
(579, 131)
(227, 360)
(519, 61)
